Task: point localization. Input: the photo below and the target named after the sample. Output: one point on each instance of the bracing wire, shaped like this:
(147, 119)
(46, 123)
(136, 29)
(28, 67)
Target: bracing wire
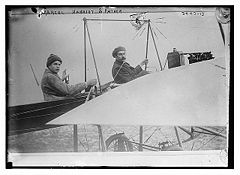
(154, 32)
(210, 140)
(160, 31)
(141, 30)
(150, 135)
(143, 132)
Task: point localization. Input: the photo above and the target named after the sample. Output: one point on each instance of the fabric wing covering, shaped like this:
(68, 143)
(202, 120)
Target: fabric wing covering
(191, 95)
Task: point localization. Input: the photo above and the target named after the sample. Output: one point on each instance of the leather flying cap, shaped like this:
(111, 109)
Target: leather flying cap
(116, 50)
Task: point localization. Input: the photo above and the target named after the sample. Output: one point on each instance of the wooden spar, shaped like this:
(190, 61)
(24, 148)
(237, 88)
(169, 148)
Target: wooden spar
(34, 75)
(95, 64)
(75, 138)
(178, 138)
(112, 20)
(85, 53)
(147, 42)
(140, 148)
(155, 47)
(211, 131)
(101, 140)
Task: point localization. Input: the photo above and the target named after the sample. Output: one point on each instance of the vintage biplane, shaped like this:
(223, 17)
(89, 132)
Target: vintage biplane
(193, 94)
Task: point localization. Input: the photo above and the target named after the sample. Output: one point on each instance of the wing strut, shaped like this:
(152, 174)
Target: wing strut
(94, 59)
(156, 48)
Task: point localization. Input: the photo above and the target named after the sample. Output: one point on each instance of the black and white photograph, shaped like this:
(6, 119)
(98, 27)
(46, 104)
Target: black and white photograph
(119, 86)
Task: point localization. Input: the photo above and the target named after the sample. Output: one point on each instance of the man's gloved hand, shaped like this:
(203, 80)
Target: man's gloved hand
(144, 62)
(92, 82)
(65, 76)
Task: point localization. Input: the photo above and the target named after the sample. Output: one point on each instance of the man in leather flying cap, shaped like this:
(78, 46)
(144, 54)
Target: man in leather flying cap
(122, 72)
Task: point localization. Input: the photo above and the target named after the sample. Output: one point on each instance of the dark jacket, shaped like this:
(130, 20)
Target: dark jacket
(54, 88)
(122, 72)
